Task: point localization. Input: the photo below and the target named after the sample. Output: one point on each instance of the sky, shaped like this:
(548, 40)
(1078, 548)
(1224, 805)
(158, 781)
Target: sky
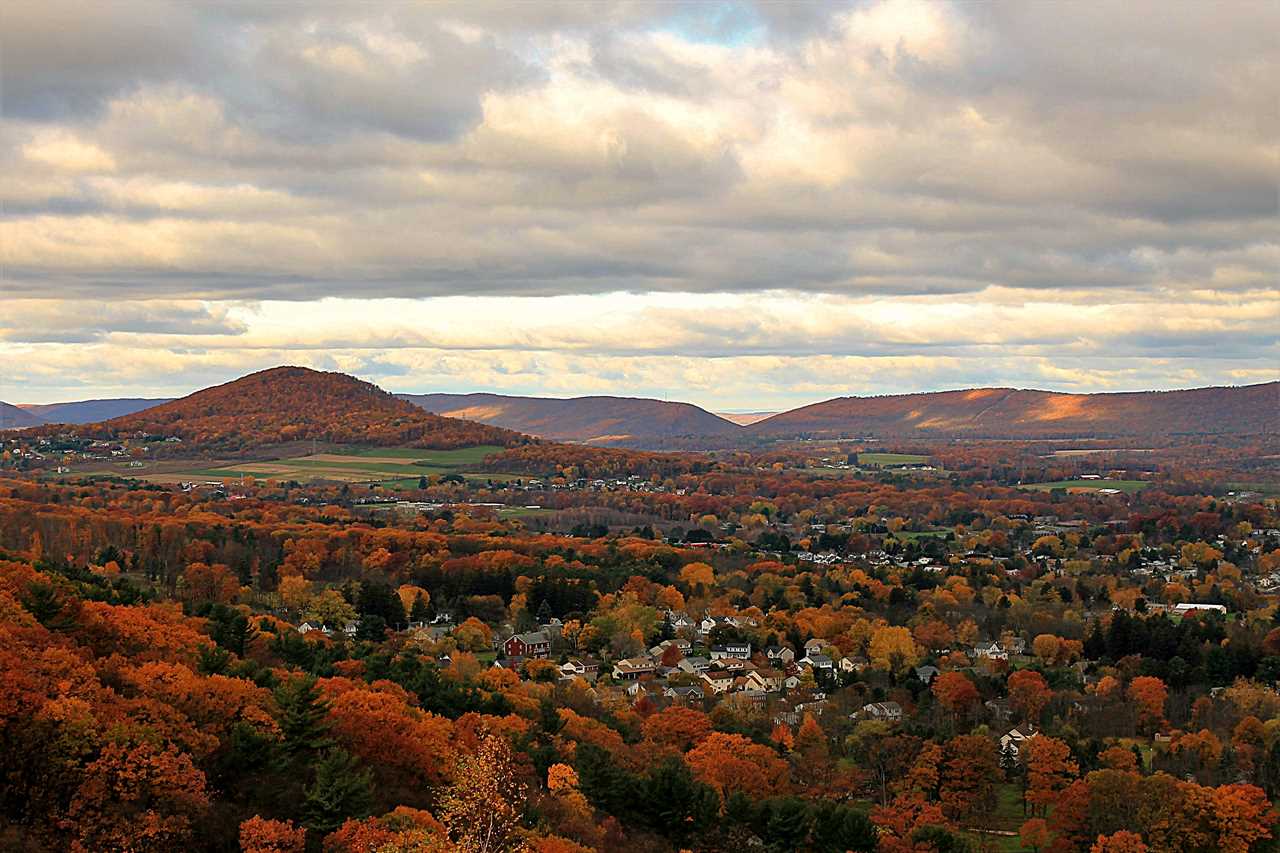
(748, 206)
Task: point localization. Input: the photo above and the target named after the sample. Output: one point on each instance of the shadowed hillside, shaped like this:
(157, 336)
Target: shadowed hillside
(1011, 413)
(286, 404)
(12, 417)
(597, 420)
(91, 411)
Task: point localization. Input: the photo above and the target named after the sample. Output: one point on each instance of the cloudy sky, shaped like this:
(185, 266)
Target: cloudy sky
(743, 205)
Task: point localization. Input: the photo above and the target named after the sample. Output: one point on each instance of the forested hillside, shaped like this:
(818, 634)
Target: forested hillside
(1012, 413)
(287, 404)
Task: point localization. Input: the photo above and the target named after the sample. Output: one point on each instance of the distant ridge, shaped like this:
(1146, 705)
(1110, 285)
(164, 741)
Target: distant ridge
(1015, 413)
(287, 404)
(14, 417)
(91, 411)
(594, 420)
(745, 418)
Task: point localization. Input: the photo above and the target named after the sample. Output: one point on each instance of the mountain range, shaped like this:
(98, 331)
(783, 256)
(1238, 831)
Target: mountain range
(90, 411)
(590, 420)
(15, 417)
(287, 403)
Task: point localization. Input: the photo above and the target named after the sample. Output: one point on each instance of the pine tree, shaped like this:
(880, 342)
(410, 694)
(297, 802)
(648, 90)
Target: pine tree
(341, 790)
(303, 718)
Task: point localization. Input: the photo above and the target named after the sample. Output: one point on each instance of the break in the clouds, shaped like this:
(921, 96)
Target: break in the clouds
(740, 204)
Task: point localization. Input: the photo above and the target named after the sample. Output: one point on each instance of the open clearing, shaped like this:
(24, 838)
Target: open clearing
(888, 460)
(1089, 485)
(396, 467)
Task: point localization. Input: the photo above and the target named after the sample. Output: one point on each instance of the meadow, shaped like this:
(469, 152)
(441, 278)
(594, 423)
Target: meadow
(1090, 485)
(395, 467)
(888, 460)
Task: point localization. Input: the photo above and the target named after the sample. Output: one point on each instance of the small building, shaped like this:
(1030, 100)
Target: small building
(854, 663)
(1184, 609)
(1012, 740)
(631, 669)
(780, 654)
(927, 673)
(819, 661)
(742, 651)
(693, 665)
(887, 711)
(535, 644)
(716, 681)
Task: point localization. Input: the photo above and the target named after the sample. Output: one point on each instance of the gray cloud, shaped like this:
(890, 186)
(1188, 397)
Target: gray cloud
(156, 153)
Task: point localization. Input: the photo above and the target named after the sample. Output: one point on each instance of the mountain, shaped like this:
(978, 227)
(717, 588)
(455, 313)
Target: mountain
(13, 417)
(594, 420)
(1012, 413)
(90, 411)
(287, 404)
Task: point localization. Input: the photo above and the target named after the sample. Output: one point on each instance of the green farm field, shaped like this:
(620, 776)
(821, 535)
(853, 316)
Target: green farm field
(1091, 485)
(398, 467)
(886, 460)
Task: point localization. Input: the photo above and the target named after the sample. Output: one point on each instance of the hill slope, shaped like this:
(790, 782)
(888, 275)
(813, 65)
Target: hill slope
(1011, 413)
(286, 404)
(595, 420)
(12, 417)
(91, 411)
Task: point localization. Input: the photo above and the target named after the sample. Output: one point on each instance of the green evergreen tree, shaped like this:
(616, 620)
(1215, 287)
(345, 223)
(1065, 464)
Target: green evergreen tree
(303, 718)
(341, 790)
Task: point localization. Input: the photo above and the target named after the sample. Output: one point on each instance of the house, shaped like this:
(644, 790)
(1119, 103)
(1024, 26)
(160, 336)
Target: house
(779, 654)
(576, 668)
(710, 623)
(679, 621)
(1184, 609)
(768, 680)
(683, 645)
(308, 627)
(693, 665)
(636, 689)
(991, 650)
(535, 644)
(926, 673)
(856, 663)
(1012, 740)
(814, 645)
(791, 682)
(819, 661)
(630, 669)
(742, 651)
(888, 711)
(692, 693)
(716, 681)
(737, 666)
(351, 628)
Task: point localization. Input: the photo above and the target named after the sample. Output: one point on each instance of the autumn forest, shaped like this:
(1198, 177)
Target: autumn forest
(906, 645)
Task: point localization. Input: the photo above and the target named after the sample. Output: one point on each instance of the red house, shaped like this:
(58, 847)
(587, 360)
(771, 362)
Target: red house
(533, 645)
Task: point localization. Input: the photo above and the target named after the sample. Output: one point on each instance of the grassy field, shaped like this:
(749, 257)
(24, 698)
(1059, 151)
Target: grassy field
(1091, 485)
(888, 460)
(396, 467)
(919, 534)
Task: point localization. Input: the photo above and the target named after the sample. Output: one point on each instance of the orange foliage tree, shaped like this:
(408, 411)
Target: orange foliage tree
(733, 763)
